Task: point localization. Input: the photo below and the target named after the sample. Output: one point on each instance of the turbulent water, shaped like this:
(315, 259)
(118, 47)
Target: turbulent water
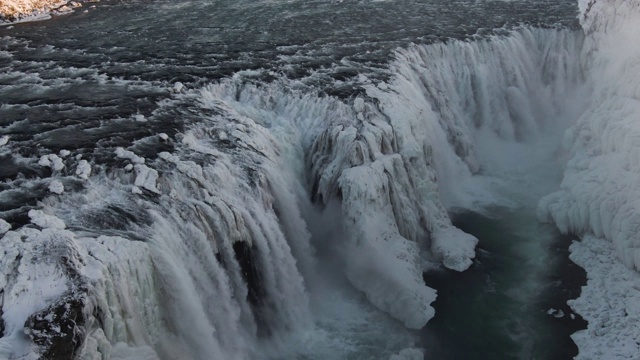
(270, 179)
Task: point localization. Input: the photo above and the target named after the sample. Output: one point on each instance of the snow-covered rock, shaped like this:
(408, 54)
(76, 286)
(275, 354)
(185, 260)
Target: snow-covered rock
(83, 170)
(146, 178)
(130, 155)
(56, 187)
(73, 296)
(139, 118)
(4, 227)
(53, 161)
(177, 87)
(45, 221)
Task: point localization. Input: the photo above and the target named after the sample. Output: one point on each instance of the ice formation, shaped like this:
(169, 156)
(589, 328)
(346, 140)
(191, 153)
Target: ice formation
(599, 195)
(600, 190)
(203, 251)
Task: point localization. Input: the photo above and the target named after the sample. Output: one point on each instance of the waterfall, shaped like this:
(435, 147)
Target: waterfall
(207, 250)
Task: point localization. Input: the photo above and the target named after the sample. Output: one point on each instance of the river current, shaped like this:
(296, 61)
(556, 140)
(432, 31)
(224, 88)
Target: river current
(127, 80)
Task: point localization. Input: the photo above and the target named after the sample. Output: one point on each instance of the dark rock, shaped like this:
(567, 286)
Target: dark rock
(58, 329)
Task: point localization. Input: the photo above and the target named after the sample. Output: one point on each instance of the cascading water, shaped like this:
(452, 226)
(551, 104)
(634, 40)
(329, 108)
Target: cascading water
(287, 211)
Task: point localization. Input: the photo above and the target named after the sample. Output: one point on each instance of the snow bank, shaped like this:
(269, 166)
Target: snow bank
(610, 302)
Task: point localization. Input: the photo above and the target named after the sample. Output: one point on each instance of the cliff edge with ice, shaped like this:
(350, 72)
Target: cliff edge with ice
(599, 199)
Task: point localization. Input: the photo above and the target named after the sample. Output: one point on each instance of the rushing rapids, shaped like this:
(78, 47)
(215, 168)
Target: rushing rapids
(266, 214)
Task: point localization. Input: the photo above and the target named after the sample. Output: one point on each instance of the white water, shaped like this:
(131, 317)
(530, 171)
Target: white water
(335, 276)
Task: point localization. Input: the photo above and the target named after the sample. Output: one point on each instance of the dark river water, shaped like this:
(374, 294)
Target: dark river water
(78, 82)
(501, 307)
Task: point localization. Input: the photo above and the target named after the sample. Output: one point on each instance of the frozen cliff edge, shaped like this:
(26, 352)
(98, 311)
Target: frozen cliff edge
(208, 221)
(600, 192)
(217, 213)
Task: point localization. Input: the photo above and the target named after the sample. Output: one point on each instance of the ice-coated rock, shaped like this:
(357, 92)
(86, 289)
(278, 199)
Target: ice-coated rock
(45, 221)
(177, 87)
(4, 227)
(83, 170)
(146, 178)
(56, 187)
(139, 118)
(53, 161)
(130, 155)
